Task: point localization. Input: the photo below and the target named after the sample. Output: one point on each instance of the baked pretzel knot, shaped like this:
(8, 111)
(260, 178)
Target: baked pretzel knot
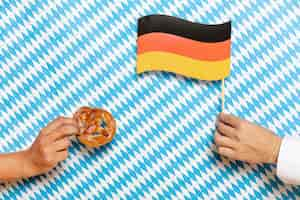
(97, 127)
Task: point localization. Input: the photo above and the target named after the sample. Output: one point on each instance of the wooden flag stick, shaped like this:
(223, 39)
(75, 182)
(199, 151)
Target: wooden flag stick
(223, 102)
(223, 94)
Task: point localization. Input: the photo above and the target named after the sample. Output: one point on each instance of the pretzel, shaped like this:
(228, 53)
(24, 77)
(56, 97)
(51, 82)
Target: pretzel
(97, 127)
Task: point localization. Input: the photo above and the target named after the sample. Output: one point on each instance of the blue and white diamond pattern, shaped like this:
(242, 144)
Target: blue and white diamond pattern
(56, 56)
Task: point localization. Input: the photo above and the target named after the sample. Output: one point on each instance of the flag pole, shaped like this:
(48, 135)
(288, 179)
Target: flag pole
(223, 102)
(223, 94)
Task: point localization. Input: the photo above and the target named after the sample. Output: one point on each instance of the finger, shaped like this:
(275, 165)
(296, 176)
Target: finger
(229, 119)
(223, 141)
(63, 131)
(226, 130)
(227, 152)
(62, 144)
(56, 123)
(61, 155)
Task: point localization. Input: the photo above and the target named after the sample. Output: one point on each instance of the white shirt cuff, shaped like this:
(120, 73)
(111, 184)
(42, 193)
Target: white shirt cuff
(288, 164)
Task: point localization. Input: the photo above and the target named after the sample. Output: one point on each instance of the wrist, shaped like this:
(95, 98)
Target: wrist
(275, 150)
(29, 168)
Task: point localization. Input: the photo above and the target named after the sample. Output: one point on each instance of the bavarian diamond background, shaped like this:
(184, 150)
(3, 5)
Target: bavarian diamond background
(56, 56)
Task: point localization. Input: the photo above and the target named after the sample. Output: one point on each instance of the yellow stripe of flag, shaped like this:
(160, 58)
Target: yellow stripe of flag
(164, 61)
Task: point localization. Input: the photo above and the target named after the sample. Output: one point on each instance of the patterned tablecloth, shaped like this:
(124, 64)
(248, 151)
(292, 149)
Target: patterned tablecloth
(56, 56)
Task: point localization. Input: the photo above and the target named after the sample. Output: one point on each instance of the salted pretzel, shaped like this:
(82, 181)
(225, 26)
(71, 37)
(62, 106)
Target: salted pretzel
(97, 127)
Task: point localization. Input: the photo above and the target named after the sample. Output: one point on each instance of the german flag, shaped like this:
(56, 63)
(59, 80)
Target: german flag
(191, 49)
